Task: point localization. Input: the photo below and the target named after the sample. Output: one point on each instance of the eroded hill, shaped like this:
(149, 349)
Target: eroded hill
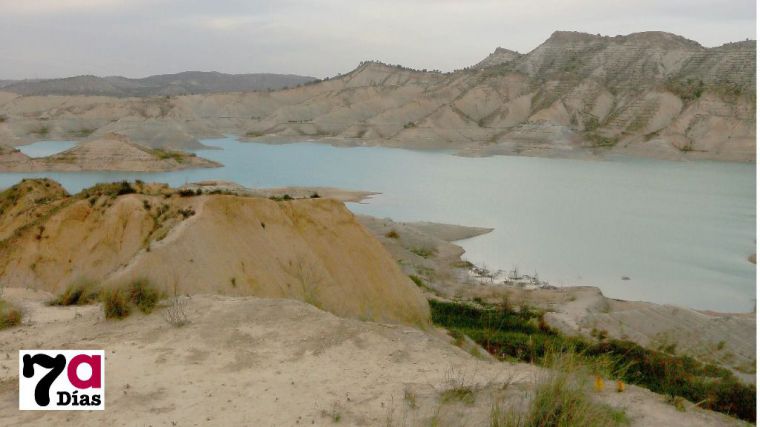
(650, 94)
(309, 249)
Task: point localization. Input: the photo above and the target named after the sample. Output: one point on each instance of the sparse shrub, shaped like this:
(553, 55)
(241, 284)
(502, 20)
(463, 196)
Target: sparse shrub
(282, 198)
(315, 195)
(456, 388)
(393, 234)
(175, 313)
(116, 303)
(162, 154)
(125, 188)
(78, 292)
(143, 294)
(601, 141)
(10, 315)
(678, 402)
(423, 252)
(591, 123)
(186, 192)
(3, 118)
(561, 399)
(688, 90)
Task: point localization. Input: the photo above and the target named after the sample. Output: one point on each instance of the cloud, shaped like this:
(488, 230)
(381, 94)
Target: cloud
(51, 38)
(60, 6)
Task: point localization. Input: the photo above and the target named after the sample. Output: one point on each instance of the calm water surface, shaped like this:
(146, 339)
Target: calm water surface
(681, 231)
(45, 148)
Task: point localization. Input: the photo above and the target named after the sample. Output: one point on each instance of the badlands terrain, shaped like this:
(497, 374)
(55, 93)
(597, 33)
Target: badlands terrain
(345, 334)
(648, 94)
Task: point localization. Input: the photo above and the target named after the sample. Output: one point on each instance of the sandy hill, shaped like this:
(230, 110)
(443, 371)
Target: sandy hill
(112, 152)
(308, 249)
(250, 361)
(159, 85)
(649, 94)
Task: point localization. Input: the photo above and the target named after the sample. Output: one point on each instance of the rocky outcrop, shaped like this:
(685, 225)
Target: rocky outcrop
(499, 56)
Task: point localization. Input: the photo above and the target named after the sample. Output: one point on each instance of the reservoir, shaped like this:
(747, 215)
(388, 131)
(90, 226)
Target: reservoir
(678, 232)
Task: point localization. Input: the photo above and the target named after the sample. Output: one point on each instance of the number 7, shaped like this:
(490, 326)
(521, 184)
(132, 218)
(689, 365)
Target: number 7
(56, 365)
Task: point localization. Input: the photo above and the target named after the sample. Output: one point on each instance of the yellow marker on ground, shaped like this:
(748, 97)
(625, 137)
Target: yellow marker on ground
(599, 383)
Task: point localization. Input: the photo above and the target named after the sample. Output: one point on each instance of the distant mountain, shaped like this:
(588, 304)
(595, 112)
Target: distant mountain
(186, 83)
(650, 94)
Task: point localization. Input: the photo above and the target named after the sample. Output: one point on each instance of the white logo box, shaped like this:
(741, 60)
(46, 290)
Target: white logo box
(74, 387)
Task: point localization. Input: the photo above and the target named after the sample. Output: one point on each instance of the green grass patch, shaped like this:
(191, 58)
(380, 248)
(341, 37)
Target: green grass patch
(162, 154)
(423, 252)
(522, 335)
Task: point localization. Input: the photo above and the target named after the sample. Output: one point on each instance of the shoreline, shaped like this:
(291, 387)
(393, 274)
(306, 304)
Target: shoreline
(480, 149)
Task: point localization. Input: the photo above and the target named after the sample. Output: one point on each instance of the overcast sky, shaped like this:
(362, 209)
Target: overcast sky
(136, 38)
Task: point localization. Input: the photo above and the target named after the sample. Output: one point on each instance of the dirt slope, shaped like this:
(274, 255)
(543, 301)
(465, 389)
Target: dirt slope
(250, 361)
(308, 249)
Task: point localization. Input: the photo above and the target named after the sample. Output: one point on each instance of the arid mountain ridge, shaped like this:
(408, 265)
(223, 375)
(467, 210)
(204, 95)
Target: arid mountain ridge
(649, 94)
(185, 83)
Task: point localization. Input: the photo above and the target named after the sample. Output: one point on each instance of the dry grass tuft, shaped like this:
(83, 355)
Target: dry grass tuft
(116, 303)
(10, 315)
(561, 398)
(140, 293)
(79, 292)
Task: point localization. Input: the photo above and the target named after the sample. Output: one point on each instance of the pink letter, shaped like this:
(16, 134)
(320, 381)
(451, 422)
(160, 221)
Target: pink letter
(94, 380)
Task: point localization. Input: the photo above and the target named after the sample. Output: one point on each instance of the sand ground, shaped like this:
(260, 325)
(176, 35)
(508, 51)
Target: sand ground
(273, 362)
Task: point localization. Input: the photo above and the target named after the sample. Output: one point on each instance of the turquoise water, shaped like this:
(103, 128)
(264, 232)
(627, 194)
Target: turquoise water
(45, 148)
(681, 231)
